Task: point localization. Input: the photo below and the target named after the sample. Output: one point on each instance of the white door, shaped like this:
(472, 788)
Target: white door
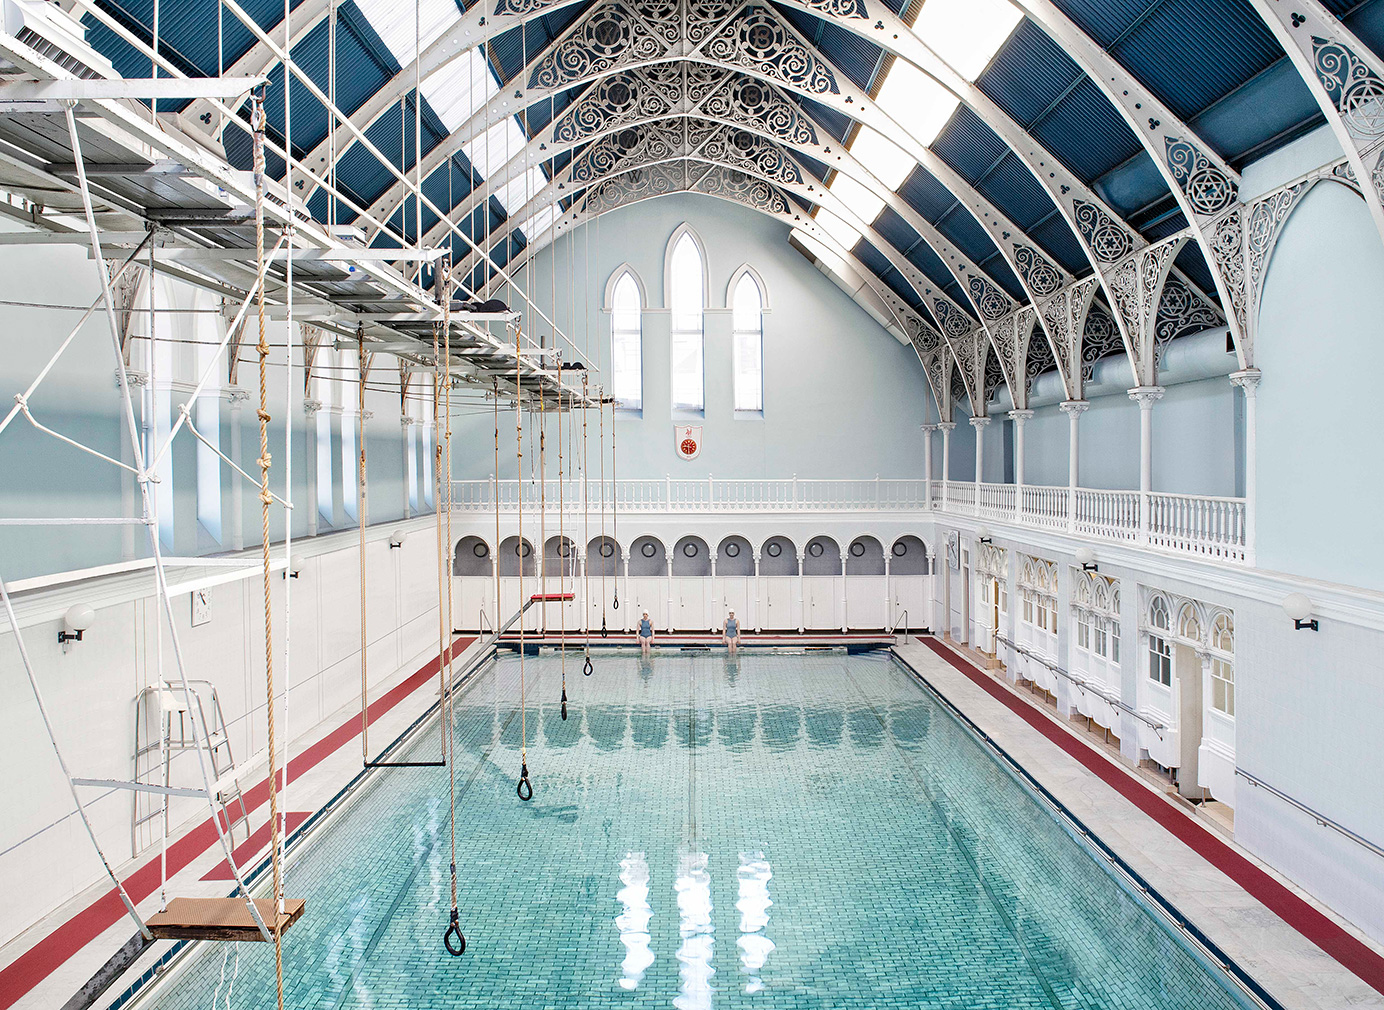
(820, 596)
(865, 604)
(646, 592)
(909, 601)
(777, 594)
(733, 592)
(689, 601)
(470, 595)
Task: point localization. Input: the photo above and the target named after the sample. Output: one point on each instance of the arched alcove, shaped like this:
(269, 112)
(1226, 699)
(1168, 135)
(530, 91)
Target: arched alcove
(778, 556)
(691, 557)
(510, 552)
(560, 557)
(907, 556)
(647, 557)
(735, 556)
(865, 556)
(471, 557)
(604, 557)
(822, 556)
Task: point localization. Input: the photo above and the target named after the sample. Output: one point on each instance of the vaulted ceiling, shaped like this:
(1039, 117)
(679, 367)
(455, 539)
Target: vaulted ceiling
(1022, 184)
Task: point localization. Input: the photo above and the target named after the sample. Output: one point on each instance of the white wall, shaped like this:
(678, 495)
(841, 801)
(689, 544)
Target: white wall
(90, 691)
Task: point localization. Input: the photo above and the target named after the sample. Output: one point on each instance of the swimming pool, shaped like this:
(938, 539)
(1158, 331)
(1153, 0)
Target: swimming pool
(779, 831)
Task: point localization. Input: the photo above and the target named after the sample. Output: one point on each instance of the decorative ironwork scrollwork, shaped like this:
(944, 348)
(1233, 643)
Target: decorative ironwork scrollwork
(1207, 188)
(754, 103)
(761, 41)
(1108, 241)
(607, 39)
(1355, 89)
(1181, 310)
(990, 300)
(1040, 275)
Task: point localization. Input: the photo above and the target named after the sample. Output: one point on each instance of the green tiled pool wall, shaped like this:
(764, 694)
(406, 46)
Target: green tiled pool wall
(781, 831)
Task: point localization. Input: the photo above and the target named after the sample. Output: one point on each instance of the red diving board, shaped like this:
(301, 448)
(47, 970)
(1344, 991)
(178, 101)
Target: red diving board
(551, 597)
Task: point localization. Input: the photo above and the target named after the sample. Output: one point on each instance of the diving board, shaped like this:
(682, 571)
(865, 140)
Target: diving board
(220, 918)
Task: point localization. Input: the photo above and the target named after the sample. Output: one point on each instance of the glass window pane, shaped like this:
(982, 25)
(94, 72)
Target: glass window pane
(686, 300)
(626, 343)
(748, 344)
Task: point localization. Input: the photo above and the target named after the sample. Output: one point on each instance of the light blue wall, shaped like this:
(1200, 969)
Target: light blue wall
(1321, 340)
(842, 397)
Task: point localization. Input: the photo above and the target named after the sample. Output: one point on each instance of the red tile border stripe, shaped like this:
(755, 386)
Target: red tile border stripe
(1346, 949)
(51, 952)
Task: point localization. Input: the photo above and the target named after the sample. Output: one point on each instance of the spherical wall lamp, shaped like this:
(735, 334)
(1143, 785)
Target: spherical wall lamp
(1086, 558)
(78, 618)
(1299, 610)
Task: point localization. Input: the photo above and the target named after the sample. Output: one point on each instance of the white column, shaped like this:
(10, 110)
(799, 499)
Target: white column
(888, 587)
(1073, 409)
(979, 424)
(235, 528)
(669, 561)
(936, 601)
(802, 601)
(310, 409)
(717, 605)
(758, 604)
(1248, 380)
(946, 428)
(928, 429)
(405, 423)
(1145, 397)
(843, 590)
(1020, 418)
(628, 606)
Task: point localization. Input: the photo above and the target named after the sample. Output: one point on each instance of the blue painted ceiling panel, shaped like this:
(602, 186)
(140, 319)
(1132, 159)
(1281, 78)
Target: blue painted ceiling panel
(1012, 188)
(1059, 242)
(1086, 132)
(968, 145)
(1133, 185)
(1267, 111)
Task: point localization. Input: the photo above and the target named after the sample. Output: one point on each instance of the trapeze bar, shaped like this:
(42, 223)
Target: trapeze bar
(79, 90)
(141, 787)
(221, 918)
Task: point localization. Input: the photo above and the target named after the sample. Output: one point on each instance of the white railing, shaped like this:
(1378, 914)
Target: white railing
(705, 495)
(1213, 527)
(1186, 524)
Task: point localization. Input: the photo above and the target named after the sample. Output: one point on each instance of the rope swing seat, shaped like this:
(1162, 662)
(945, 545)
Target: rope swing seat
(222, 919)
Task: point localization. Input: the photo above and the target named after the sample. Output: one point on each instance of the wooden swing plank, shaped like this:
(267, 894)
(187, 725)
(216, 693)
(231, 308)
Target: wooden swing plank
(551, 597)
(220, 918)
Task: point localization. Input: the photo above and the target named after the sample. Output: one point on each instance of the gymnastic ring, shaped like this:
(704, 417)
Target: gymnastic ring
(525, 787)
(454, 928)
(587, 669)
(564, 709)
(616, 602)
(604, 632)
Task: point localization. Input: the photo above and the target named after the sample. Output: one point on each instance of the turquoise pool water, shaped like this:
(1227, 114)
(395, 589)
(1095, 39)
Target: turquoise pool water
(782, 831)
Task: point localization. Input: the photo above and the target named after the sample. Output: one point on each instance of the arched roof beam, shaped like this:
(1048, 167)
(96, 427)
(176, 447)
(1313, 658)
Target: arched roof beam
(1346, 78)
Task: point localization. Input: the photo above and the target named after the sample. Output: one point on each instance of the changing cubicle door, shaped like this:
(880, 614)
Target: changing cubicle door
(865, 602)
(778, 595)
(909, 602)
(821, 596)
(472, 594)
(735, 592)
(689, 602)
(645, 593)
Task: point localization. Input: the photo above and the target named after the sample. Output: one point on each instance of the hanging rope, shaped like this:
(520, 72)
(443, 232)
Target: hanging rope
(495, 392)
(601, 415)
(586, 523)
(562, 561)
(525, 787)
(614, 496)
(267, 499)
(360, 526)
(453, 939)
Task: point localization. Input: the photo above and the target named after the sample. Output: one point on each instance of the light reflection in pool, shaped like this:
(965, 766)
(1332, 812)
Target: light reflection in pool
(695, 927)
(633, 922)
(755, 946)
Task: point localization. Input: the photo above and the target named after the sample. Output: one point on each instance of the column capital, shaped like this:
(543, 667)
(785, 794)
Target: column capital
(945, 426)
(405, 421)
(236, 395)
(979, 422)
(929, 428)
(311, 407)
(1146, 396)
(1247, 379)
(134, 376)
(1074, 408)
(1019, 416)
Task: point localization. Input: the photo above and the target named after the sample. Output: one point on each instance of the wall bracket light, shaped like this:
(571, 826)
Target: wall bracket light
(77, 619)
(1086, 558)
(983, 535)
(1299, 610)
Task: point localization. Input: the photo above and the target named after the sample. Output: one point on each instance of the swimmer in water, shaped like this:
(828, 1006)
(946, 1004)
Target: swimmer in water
(730, 634)
(646, 635)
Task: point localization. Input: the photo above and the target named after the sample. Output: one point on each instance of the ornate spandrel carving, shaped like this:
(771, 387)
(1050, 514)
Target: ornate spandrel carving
(760, 41)
(1038, 274)
(838, 8)
(1207, 188)
(639, 184)
(628, 97)
(988, 299)
(629, 148)
(1100, 337)
(953, 321)
(609, 38)
(1227, 247)
(748, 101)
(752, 192)
(518, 8)
(1355, 89)
(703, 16)
(1108, 241)
(742, 149)
(1181, 310)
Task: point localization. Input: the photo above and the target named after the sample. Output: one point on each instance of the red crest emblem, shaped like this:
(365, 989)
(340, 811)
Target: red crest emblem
(688, 440)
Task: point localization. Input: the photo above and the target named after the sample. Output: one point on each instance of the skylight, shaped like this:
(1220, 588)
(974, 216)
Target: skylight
(881, 158)
(916, 102)
(966, 33)
(838, 229)
(861, 202)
